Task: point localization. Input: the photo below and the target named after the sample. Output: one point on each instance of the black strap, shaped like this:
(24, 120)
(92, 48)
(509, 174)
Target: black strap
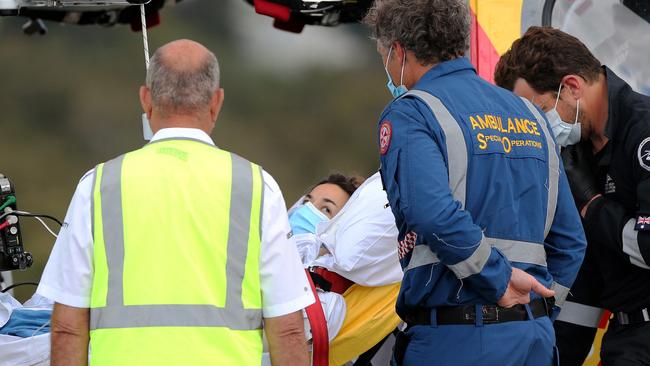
(320, 281)
(466, 314)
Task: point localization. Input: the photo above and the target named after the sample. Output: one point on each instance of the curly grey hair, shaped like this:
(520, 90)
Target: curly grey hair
(184, 90)
(435, 30)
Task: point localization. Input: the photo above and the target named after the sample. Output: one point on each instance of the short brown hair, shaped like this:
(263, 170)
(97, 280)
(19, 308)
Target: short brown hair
(542, 57)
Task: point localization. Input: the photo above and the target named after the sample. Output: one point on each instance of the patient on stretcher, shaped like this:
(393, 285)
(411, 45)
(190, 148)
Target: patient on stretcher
(317, 207)
(346, 237)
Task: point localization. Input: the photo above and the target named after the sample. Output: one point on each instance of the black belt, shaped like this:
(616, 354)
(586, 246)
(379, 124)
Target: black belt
(640, 316)
(492, 314)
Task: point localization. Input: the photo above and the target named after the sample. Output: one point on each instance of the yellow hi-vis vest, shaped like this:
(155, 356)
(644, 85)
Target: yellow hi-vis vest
(177, 233)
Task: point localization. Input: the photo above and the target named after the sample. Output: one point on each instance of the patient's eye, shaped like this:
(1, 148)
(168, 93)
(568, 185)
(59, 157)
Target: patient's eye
(306, 199)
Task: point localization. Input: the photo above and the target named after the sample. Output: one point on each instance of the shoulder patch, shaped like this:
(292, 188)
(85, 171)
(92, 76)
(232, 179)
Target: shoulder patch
(644, 154)
(385, 135)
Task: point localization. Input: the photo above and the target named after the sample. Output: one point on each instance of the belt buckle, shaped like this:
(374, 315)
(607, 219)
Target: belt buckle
(490, 314)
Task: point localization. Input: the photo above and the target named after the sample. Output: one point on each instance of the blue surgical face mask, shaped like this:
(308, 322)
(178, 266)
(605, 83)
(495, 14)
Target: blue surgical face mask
(565, 133)
(305, 218)
(396, 91)
(146, 128)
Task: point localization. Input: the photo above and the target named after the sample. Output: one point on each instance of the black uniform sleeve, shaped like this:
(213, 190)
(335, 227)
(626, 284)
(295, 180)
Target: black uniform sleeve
(628, 234)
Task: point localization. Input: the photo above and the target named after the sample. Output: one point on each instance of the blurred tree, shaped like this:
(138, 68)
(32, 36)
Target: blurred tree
(68, 100)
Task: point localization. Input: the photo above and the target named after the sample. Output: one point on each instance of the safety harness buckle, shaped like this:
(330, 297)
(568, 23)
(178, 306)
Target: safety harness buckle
(490, 314)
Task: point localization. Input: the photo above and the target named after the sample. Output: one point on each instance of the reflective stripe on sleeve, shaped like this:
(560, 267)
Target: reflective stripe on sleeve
(579, 314)
(475, 263)
(553, 168)
(515, 251)
(561, 293)
(233, 315)
(631, 245)
(422, 256)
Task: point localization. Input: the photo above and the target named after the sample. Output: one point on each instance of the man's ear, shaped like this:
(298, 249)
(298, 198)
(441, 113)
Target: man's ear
(398, 52)
(216, 103)
(575, 84)
(145, 101)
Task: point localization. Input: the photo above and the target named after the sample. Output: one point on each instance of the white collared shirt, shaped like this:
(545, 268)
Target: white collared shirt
(68, 275)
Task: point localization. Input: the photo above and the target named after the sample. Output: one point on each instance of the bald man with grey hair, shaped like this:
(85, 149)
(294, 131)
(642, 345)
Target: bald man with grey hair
(182, 84)
(178, 252)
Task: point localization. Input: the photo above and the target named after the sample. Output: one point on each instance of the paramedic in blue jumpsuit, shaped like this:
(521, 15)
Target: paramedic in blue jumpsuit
(490, 239)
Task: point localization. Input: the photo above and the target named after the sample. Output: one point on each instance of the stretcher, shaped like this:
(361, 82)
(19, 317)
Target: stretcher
(369, 319)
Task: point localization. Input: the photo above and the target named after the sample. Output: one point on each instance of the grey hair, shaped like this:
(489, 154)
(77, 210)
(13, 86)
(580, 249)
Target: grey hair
(435, 30)
(184, 90)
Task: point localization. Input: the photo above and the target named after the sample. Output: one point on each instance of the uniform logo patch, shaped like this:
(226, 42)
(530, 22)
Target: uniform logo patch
(513, 136)
(644, 154)
(385, 134)
(610, 186)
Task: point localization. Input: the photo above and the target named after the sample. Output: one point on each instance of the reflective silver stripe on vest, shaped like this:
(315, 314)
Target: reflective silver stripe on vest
(113, 223)
(135, 316)
(515, 251)
(585, 315)
(561, 292)
(456, 150)
(233, 316)
(239, 231)
(553, 168)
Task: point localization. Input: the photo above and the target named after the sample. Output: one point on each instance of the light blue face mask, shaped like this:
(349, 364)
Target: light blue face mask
(396, 91)
(305, 218)
(565, 133)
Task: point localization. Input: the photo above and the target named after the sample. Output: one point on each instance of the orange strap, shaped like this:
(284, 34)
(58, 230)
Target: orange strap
(318, 323)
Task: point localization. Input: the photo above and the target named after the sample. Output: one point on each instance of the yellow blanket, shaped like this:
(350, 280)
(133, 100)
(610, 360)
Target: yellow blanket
(370, 317)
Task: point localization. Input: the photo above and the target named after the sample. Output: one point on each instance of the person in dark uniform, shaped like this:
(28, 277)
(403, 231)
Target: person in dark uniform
(474, 178)
(609, 174)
